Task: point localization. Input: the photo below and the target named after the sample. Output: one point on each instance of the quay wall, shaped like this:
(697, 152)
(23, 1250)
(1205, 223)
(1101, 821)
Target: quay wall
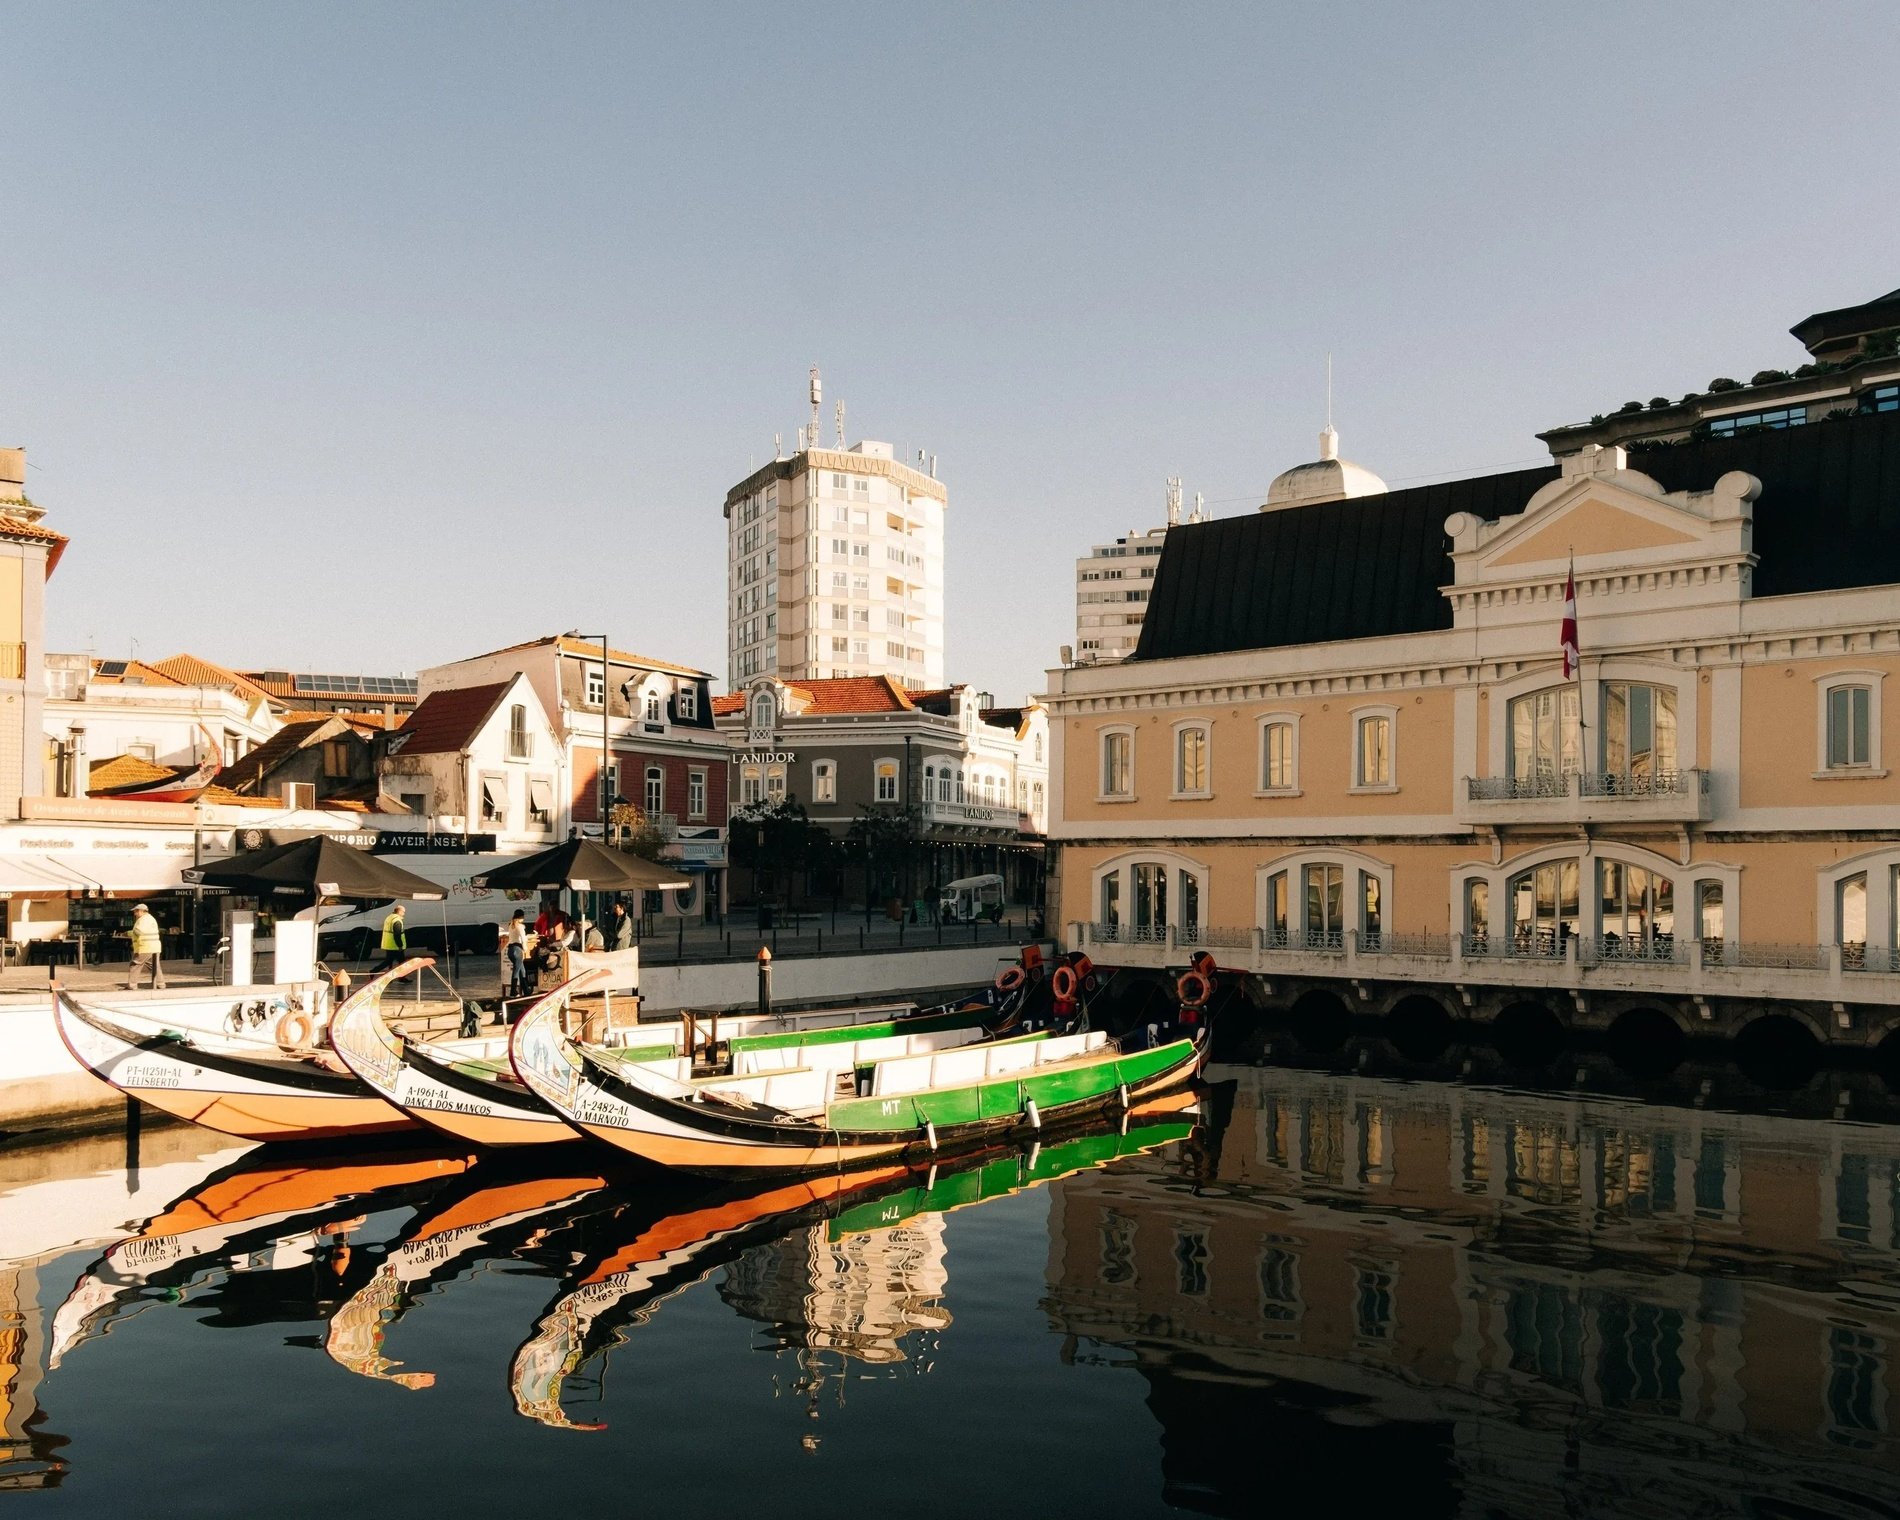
(820, 979)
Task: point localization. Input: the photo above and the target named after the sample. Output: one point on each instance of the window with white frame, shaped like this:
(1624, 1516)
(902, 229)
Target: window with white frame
(1372, 750)
(1545, 733)
(494, 799)
(595, 681)
(1190, 760)
(1639, 729)
(1849, 723)
(651, 707)
(687, 701)
(885, 776)
(696, 793)
(751, 785)
(764, 710)
(775, 782)
(655, 791)
(824, 781)
(520, 741)
(1279, 755)
(1039, 749)
(1118, 762)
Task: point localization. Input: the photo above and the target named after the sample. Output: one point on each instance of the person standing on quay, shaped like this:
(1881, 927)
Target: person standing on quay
(395, 939)
(619, 927)
(147, 949)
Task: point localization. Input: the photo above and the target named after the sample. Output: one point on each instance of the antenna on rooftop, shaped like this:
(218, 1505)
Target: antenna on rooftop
(1174, 501)
(1200, 514)
(840, 415)
(778, 445)
(817, 401)
(1329, 390)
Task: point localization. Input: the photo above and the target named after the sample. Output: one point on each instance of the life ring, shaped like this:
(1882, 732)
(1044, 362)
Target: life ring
(295, 1031)
(1010, 978)
(1063, 983)
(1193, 989)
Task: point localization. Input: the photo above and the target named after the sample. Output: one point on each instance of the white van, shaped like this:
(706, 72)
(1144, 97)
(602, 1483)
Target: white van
(969, 898)
(467, 916)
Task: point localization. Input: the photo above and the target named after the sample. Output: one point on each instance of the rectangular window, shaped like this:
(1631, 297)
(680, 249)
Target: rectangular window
(887, 781)
(1151, 900)
(841, 646)
(1375, 752)
(336, 758)
(824, 781)
(520, 741)
(1639, 730)
(696, 794)
(494, 800)
(1276, 757)
(751, 785)
(595, 680)
(1848, 729)
(1118, 765)
(655, 791)
(1325, 906)
(540, 803)
(1776, 418)
(1477, 913)
(1276, 914)
(1190, 768)
(1546, 732)
(840, 615)
(775, 783)
(688, 702)
(1112, 899)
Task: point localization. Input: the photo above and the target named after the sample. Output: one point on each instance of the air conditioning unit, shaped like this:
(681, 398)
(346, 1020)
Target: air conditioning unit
(298, 794)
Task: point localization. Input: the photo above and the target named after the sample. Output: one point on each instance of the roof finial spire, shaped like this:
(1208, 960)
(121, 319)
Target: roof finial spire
(1328, 439)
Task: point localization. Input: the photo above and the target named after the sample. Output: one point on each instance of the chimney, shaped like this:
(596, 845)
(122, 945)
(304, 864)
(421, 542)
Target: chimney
(77, 782)
(12, 473)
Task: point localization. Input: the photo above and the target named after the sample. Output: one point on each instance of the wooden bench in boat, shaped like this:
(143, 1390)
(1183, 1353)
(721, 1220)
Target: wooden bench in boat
(965, 1068)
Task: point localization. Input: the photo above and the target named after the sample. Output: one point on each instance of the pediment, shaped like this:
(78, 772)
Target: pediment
(1590, 526)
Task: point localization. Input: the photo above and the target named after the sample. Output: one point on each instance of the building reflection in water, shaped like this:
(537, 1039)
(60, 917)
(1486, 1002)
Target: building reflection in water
(1489, 1302)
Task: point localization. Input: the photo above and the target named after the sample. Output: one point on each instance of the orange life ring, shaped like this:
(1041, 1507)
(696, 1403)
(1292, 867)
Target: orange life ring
(294, 1031)
(1063, 983)
(1193, 989)
(1010, 978)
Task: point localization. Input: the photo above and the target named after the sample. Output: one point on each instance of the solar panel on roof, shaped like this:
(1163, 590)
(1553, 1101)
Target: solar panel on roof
(112, 667)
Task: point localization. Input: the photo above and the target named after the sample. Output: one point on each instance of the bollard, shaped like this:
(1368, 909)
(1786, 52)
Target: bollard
(765, 982)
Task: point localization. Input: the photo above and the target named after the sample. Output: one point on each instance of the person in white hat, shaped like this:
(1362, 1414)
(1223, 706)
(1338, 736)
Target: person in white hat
(147, 948)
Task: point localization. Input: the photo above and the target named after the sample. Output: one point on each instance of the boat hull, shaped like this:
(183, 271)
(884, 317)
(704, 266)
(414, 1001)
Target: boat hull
(253, 1098)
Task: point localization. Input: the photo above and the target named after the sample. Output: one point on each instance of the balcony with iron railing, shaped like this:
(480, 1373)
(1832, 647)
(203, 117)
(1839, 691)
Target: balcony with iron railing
(1670, 796)
(1656, 963)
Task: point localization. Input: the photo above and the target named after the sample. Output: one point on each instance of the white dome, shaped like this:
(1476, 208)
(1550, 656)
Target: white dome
(1328, 478)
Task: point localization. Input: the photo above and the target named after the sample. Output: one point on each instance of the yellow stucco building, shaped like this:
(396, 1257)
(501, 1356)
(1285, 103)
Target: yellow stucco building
(1346, 748)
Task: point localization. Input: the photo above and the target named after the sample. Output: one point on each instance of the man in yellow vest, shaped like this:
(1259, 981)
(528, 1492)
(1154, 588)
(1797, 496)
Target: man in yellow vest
(395, 939)
(147, 948)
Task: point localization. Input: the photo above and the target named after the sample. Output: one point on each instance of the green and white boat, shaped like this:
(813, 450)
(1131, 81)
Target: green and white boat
(805, 1100)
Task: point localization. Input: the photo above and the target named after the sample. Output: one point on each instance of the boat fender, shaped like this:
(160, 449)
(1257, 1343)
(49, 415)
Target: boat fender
(1010, 978)
(930, 1134)
(1121, 1092)
(1031, 1113)
(294, 1031)
(1062, 984)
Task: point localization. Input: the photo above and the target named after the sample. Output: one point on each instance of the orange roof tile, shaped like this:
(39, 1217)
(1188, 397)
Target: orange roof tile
(247, 770)
(125, 770)
(853, 694)
(19, 527)
(730, 704)
(136, 673)
(585, 647)
(189, 670)
(230, 798)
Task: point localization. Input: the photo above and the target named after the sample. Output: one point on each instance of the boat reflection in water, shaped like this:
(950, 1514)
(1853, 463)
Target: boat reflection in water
(266, 1212)
(849, 1264)
(1486, 1302)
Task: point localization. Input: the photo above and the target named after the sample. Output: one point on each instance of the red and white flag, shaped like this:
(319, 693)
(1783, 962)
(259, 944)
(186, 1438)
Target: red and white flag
(1568, 635)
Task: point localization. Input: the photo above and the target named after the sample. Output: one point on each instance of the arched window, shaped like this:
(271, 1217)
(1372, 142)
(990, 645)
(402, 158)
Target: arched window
(1639, 730)
(1142, 897)
(764, 710)
(1545, 911)
(1039, 749)
(1116, 776)
(961, 797)
(1191, 774)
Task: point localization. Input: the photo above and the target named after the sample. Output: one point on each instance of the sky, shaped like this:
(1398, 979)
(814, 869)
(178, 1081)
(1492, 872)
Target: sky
(364, 337)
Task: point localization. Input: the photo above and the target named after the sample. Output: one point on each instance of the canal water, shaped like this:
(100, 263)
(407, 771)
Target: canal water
(1407, 1297)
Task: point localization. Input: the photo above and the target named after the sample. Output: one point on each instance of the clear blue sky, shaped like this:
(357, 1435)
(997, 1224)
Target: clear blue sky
(360, 337)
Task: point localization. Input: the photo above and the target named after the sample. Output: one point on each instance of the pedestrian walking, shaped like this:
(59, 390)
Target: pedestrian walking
(395, 939)
(147, 949)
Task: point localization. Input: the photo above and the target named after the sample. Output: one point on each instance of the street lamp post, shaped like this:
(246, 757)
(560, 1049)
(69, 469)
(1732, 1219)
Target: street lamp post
(606, 742)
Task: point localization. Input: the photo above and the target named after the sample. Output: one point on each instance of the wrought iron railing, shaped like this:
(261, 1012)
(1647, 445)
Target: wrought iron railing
(1550, 786)
(1213, 937)
(1514, 947)
(1604, 948)
(1766, 957)
(1105, 934)
(1653, 784)
(1515, 788)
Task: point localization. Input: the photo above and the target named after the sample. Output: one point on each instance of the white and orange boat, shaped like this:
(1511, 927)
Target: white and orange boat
(284, 1086)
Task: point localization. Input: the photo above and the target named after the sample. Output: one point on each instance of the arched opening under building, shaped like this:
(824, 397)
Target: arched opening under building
(1419, 1027)
(1646, 1042)
(1528, 1035)
(1779, 1052)
(1320, 1021)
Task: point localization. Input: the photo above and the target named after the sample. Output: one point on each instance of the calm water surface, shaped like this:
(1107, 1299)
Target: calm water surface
(1332, 1290)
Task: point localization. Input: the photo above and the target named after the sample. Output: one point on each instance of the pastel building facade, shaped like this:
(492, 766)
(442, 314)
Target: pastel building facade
(1346, 748)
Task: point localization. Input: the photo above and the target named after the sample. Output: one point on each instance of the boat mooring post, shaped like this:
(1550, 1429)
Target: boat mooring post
(765, 981)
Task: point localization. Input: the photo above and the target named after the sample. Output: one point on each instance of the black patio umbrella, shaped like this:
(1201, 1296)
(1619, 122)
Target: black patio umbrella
(585, 866)
(319, 864)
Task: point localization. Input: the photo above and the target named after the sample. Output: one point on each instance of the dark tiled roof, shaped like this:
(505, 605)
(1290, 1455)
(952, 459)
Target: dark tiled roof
(1828, 518)
(1354, 569)
(445, 721)
(248, 770)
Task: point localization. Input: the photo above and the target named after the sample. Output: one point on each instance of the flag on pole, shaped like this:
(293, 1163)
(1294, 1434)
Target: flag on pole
(1568, 634)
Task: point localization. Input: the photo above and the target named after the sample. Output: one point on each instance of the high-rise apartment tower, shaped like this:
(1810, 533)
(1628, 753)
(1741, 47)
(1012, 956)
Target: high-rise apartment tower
(835, 566)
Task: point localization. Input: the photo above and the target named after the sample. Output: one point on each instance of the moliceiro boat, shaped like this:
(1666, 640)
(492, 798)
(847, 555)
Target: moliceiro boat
(286, 1085)
(901, 1090)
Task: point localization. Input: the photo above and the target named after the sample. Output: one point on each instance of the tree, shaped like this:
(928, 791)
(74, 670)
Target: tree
(886, 836)
(635, 832)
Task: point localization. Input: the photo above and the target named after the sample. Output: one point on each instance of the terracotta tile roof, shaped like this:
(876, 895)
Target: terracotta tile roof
(189, 670)
(584, 647)
(19, 527)
(373, 722)
(245, 773)
(723, 705)
(134, 673)
(445, 721)
(852, 694)
(125, 770)
(224, 795)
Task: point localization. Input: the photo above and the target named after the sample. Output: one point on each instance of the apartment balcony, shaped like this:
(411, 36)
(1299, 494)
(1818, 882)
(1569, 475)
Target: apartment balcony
(977, 816)
(1585, 797)
(1657, 965)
